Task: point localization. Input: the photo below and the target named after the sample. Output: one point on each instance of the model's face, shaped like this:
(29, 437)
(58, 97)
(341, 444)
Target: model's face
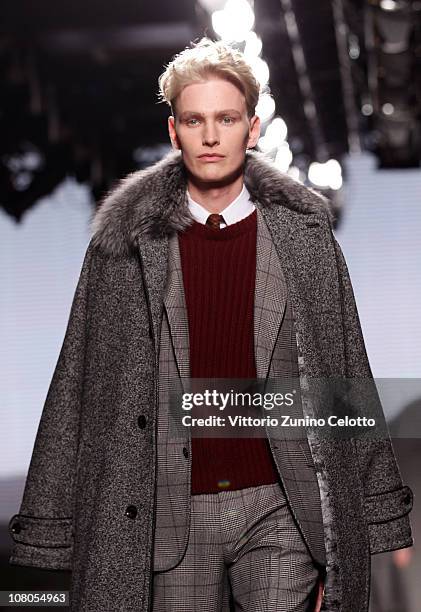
(213, 131)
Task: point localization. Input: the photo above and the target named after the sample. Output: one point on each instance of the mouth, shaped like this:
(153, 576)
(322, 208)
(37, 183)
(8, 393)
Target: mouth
(211, 157)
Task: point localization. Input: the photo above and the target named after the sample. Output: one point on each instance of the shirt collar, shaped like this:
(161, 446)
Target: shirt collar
(238, 209)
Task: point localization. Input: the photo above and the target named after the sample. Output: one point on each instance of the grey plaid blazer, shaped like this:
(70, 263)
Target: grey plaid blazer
(276, 356)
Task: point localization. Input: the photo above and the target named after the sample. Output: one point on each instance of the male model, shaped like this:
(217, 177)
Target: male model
(210, 264)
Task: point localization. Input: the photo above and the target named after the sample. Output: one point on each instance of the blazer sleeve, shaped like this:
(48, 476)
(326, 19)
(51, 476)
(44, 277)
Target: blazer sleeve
(387, 501)
(42, 530)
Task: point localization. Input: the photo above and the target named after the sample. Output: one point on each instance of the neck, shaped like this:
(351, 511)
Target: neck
(215, 197)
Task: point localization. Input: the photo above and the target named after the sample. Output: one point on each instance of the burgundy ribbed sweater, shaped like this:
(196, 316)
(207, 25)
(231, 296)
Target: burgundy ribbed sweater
(219, 271)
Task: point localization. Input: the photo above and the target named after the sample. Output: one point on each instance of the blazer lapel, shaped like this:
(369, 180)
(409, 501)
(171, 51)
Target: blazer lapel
(269, 298)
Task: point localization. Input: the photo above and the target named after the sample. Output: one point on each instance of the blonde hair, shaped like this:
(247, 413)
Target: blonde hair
(205, 59)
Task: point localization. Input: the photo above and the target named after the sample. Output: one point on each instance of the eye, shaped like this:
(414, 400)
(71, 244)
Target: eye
(227, 120)
(191, 121)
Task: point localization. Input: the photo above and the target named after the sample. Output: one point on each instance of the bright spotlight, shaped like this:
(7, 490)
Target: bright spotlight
(276, 132)
(253, 46)
(212, 5)
(388, 5)
(265, 108)
(234, 21)
(283, 157)
(388, 108)
(367, 109)
(261, 70)
(277, 129)
(328, 174)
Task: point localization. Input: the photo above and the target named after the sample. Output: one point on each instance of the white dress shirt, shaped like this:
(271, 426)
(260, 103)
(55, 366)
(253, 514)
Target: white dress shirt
(239, 208)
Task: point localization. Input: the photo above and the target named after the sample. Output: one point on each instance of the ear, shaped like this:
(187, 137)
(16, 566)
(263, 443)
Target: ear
(254, 132)
(172, 132)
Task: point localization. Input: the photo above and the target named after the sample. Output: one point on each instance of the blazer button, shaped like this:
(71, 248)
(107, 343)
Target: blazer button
(16, 528)
(185, 452)
(141, 421)
(131, 512)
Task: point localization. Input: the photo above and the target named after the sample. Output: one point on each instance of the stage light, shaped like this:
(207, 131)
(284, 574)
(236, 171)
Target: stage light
(261, 70)
(354, 47)
(367, 109)
(234, 21)
(328, 174)
(388, 5)
(265, 108)
(388, 109)
(275, 134)
(212, 5)
(253, 46)
(22, 180)
(278, 128)
(283, 157)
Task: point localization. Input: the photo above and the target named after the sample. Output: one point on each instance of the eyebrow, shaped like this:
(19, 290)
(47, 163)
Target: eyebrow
(227, 111)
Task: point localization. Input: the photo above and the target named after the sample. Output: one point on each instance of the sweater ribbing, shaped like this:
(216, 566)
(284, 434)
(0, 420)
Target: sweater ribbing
(219, 270)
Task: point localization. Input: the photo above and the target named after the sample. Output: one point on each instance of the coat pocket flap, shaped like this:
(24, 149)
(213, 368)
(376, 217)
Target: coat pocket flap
(40, 531)
(385, 507)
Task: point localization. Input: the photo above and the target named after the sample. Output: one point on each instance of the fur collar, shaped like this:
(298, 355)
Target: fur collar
(153, 201)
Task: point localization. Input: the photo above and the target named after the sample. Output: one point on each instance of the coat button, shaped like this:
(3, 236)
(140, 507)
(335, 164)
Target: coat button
(131, 512)
(141, 421)
(185, 452)
(16, 528)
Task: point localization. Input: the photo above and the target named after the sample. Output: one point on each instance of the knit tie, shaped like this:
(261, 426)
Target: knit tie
(214, 220)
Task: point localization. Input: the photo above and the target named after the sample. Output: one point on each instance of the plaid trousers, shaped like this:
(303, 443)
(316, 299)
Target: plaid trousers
(245, 553)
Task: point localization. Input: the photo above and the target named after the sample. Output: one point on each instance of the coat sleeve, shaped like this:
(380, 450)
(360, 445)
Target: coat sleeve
(42, 531)
(387, 502)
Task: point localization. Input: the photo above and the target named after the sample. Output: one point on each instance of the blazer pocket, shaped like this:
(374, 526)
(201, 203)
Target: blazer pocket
(385, 507)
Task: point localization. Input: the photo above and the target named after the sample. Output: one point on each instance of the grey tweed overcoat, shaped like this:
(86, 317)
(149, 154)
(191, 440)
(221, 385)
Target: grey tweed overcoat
(90, 496)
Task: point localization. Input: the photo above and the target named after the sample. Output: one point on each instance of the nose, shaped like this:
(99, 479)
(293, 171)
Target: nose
(210, 135)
